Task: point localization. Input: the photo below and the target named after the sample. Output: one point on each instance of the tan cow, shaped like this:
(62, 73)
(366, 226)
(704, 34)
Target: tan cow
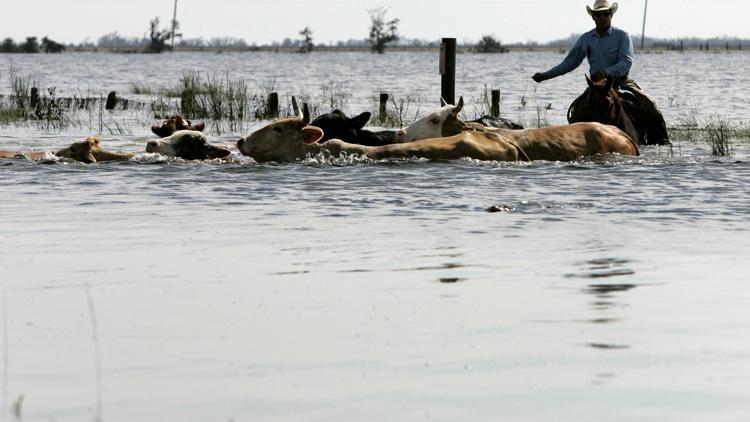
(556, 143)
(86, 151)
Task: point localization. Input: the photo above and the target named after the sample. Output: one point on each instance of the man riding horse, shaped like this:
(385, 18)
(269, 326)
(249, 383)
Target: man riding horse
(609, 51)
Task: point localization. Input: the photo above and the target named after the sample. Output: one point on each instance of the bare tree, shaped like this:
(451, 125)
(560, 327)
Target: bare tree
(307, 42)
(50, 46)
(382, 32)
(158, 37)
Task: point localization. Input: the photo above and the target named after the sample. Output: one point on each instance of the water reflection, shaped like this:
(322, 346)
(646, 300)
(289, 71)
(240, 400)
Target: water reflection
(605, 346)
(607, 297)
(605, 268)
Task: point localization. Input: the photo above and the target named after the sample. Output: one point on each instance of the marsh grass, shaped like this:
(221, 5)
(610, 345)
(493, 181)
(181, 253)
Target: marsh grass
(718, 136)
(483, 103)
(401, 112)
(334, 96)
(20, 86)
(718, 132)
(138, 88)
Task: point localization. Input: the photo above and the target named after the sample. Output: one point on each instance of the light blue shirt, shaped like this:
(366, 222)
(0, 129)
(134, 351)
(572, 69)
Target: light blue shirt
(612, 52)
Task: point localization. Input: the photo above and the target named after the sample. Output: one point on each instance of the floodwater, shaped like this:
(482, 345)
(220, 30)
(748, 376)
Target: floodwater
(612, 288)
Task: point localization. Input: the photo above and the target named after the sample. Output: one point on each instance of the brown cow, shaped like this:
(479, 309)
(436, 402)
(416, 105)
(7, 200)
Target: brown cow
(175, 123)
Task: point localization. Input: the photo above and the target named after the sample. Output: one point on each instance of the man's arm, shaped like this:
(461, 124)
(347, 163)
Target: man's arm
(572, 60)
(624, 60)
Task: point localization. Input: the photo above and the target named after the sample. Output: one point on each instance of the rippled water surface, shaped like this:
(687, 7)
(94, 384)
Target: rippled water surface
(611, 288)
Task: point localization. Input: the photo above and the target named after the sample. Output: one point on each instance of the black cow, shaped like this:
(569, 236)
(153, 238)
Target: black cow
(496, 122)
(336, 125)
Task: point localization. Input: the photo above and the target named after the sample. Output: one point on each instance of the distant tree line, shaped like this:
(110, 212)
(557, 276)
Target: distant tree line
(651, 42)
(31, 45)
(383, 32)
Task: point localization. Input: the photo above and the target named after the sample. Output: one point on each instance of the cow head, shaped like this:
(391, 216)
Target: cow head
(336, 125)
(175, 123)
(83, 151)
(287, 139)
(186, 144)
(439, 123)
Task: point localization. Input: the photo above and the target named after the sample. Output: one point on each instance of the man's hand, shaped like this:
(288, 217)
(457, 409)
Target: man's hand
(538, 77)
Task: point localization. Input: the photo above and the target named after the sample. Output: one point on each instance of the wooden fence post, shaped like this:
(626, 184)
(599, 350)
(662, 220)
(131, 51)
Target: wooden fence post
(448, 70)
(273, 105)
(383, 106)
(34, 98)
(495, 109)
(111, 100)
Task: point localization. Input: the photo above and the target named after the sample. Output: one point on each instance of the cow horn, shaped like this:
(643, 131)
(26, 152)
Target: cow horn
(295, 107)
(457, 109)
(442, 102)
(305, 114)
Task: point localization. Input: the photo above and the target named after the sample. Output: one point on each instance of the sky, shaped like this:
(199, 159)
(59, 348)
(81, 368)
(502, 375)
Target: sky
(264, 21)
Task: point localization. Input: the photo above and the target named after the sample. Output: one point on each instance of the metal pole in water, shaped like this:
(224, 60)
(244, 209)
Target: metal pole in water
(643, 31)
(448, 70)
(174, 22)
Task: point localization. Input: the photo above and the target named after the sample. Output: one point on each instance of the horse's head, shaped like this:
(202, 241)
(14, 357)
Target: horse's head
(603, 101)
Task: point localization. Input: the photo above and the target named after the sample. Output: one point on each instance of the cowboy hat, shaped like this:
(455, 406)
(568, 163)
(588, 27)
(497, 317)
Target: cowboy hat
(601, 6)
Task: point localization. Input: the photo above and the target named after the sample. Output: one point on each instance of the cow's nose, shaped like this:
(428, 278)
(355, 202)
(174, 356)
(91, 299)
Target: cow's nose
(240, 142)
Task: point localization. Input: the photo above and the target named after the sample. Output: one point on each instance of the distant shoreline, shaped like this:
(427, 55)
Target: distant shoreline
(336, 49)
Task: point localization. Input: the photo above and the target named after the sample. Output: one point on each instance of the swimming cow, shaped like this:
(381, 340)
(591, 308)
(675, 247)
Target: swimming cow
(555, 143)
(188, 145)
(86, 151)
(336, 125)
(293, 139)
(174, 124)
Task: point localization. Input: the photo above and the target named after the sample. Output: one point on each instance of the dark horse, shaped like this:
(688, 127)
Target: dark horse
(604, 104)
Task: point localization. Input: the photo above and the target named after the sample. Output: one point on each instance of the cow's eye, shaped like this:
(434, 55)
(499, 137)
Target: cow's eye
(435, 120)
(277, 129)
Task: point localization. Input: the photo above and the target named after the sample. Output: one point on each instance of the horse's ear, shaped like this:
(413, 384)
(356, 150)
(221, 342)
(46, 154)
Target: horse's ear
(589, 81)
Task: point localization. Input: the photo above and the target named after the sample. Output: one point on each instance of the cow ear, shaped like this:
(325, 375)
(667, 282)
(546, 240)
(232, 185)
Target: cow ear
(311, 134)
(157, 130)
(199, 126)
(358, 122)
(93, 141)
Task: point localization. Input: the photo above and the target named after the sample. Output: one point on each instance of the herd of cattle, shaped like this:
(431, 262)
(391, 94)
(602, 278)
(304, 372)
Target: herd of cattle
(441, 134)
